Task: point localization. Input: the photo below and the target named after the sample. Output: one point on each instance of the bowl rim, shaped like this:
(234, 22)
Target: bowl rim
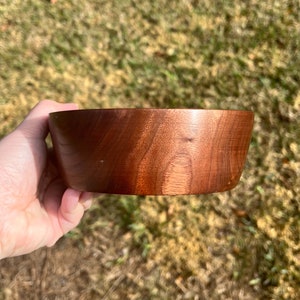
(150, 109)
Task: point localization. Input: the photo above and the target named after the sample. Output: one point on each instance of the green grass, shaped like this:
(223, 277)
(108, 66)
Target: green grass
(202, 54)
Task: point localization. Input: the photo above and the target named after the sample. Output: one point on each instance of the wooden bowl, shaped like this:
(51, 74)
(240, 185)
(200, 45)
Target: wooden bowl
(151, 151)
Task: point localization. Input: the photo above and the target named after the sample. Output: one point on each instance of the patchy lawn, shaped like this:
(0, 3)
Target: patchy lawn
(242, 244)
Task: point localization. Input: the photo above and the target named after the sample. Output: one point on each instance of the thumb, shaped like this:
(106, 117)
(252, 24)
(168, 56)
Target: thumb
(72, 208)
(35, 125)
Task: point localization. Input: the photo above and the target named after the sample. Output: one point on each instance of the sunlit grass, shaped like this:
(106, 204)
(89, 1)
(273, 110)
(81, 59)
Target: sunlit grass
(202, 54)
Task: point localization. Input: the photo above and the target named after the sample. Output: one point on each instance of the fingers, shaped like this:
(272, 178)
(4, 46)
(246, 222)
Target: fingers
(65, 209)
(50, 194)
(86, 200)
(72, 208)
(35, 124)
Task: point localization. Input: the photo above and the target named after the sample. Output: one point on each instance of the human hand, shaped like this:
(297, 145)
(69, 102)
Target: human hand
(36, 207)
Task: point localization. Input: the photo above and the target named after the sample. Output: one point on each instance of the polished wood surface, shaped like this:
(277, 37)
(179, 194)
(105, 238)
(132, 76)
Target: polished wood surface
(151, 151)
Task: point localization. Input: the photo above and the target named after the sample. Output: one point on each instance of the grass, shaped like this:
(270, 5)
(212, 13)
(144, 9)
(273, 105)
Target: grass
(242, 244)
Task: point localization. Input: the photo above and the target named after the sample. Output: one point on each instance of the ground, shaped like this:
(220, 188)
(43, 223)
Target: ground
(241, 244)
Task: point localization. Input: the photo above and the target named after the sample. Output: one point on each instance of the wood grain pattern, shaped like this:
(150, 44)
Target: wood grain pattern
(151, 151)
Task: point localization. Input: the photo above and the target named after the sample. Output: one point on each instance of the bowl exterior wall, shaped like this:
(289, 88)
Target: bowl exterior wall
(151, 151)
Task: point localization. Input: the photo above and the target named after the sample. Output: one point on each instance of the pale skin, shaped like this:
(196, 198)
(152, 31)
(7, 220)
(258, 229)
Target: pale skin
(37, 208)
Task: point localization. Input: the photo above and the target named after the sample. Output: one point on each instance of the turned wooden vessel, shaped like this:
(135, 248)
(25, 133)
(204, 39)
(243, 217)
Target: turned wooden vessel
(151, 151)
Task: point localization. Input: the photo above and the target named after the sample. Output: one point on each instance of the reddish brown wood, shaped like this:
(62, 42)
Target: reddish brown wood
(151, 151)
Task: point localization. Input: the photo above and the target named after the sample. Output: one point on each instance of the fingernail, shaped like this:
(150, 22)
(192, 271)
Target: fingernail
(87, 204)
